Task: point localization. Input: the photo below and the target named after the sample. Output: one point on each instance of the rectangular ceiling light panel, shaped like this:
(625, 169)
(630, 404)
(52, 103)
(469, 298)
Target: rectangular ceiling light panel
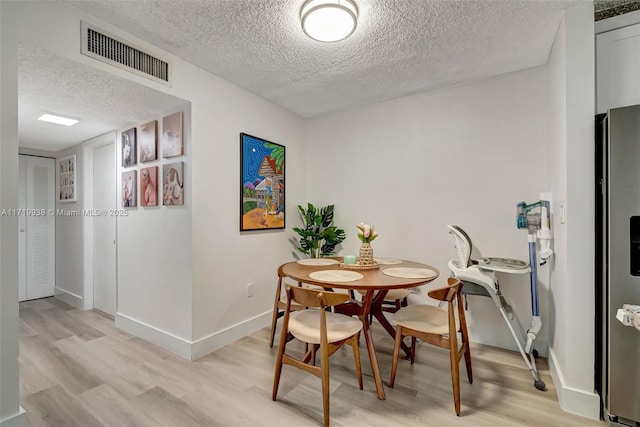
(113, 50)
(59, 120)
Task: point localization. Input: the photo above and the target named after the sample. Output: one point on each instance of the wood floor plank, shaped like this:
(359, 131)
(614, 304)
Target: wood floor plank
(167, 409)
(46, 361)
(42, 322)
(122, 378)
(79, 329)
(113, 409)
(55, 407)
(77, 368)
(100, 322)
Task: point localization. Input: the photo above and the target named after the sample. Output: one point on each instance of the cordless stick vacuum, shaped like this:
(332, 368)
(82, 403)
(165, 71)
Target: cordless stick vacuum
(536, 218)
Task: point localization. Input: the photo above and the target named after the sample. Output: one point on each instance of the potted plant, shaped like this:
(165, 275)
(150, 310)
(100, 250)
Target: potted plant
(319, 237)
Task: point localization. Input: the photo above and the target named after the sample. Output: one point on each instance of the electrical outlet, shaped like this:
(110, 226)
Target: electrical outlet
(250, 287)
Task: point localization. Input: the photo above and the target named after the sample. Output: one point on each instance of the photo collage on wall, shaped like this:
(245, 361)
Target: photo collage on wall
(143, 186)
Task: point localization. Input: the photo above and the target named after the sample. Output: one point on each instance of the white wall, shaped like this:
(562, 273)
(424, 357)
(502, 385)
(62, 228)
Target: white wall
(558, 184)
(225, 260)
(70, 235)
(572, 298)
(154, 252)
(464, 155)
(11, 414)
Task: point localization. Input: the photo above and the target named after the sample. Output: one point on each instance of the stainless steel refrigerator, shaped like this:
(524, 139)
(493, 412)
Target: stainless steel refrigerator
(617, 263)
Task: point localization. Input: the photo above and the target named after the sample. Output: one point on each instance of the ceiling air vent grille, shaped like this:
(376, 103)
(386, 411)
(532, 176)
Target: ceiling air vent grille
(105, 47)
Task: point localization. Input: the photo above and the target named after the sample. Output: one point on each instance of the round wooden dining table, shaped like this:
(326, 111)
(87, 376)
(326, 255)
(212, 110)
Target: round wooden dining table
(375, 281)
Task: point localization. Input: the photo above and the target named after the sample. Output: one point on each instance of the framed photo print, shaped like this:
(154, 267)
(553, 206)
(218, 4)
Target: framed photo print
(67, 179)
(129, 151)
(172, 144)
(129, 189)
(148, 134)
(173, 184)
(262, 171)
(149, 186)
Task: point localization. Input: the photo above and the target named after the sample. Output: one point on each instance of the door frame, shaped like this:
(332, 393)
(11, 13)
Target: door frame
(89, 148)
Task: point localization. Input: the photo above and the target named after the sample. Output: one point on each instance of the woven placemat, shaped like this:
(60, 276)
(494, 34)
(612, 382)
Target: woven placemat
(317, 261)
(336, 276)
(409, 273)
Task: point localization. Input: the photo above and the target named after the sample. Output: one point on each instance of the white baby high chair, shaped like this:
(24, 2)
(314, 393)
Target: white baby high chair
(479, 278)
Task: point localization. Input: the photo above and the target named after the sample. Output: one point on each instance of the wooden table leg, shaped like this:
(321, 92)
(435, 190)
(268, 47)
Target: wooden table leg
(378, 313)
(366, 331)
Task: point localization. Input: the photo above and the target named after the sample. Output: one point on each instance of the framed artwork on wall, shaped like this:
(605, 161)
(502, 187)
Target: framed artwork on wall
(67, 179)
(172, 144)
(148, 141)
(129, 189)
(149, 186)
(129, 151)
(173, 184)
(262, 171)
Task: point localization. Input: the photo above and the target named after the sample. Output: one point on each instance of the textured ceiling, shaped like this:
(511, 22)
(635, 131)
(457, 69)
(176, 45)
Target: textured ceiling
(400, 47)
(103, 102)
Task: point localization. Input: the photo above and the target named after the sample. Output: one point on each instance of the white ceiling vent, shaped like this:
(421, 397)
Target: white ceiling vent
(105, 47)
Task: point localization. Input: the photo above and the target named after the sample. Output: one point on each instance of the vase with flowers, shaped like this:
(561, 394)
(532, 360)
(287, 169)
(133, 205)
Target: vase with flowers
(366, 234)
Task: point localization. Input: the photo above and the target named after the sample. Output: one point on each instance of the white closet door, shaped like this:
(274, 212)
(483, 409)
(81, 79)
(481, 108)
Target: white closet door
(104, 230)
(22, 228)
(40, 229)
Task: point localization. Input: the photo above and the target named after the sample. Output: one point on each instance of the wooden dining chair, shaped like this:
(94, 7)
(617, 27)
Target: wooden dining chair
(280, 304)
(323, 330)
(439, 327)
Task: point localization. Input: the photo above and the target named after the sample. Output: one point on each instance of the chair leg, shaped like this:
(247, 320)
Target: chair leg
(396, 355)
(356, 357)
(324, 361)
(455, 373)
(314, 349)
(414, 340)
(274, 317)
(467, 360)
(274, 321)
(276, 377)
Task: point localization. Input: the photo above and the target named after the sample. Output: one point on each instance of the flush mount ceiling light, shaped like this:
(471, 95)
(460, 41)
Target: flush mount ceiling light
(329, 20)
(59, 120)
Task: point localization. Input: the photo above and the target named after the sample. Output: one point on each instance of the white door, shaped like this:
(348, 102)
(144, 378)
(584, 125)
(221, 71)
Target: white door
(104, 229)
(36, 224)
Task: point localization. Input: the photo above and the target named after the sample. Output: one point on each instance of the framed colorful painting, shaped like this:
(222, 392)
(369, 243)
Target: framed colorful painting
(262, 167)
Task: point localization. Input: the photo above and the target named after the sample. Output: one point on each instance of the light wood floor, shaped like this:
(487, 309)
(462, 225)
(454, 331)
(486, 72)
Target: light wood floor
(78, 369)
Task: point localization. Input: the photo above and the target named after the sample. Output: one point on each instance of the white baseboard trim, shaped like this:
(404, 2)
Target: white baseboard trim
(192, 350)
(571, 399)
(68, 297)
(17, 420)
(163, 339)
(217, 340)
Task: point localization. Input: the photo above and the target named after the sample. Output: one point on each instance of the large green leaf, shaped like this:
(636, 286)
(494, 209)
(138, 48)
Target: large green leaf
(319, 237)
